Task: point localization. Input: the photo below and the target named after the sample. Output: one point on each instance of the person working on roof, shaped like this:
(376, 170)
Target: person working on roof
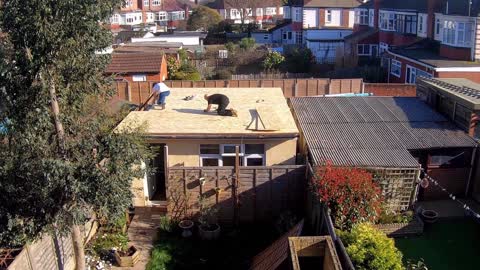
(222, 102)
(162, 90)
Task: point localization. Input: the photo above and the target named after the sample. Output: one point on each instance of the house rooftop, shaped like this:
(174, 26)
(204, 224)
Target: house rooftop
(430, 57)
(333, 3)
(463, 90)
(262, 112)
(135, 62)
(373, 131)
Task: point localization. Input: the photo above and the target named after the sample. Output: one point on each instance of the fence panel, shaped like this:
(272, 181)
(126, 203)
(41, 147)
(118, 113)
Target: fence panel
(263, 192)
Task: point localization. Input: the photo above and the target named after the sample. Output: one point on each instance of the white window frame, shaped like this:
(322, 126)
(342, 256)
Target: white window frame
(362, 16)
(417, 73)
(382, 47)
(245, 157)
(156, 3)
(371, 17)
(298, 14)
(396, 64)
(128, 3)
(259, 12)
(139, 77)
(162, 16)
(298, 37)
(270, 11)
(363, 46)
(146, 3)
(266, 36)
(115, 18)
(328, 16)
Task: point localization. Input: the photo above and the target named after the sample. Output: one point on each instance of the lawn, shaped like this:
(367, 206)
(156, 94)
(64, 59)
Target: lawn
(232, 251)
(445, 245)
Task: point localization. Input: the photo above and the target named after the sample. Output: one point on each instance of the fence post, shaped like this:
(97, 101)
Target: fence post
(227, 84)
(129, 92)
(329, 88)
(295, 88)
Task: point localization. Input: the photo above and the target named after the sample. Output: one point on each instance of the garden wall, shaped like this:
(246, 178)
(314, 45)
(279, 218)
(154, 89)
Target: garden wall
(263, 193)
(391, 89)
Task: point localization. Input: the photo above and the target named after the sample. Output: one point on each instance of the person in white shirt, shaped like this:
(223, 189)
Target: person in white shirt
(163, 91)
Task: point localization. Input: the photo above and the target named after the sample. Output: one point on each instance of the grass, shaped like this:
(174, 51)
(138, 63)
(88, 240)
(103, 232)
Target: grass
(445, 245)
(232, 251)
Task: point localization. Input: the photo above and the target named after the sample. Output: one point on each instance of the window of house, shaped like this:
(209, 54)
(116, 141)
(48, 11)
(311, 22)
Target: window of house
(438, 25)
(449, 32)
(130, 20)
(328, 16)
(254, 155)
(361, 17)
(410, 24)
(363, 49)
(396, 68)
(224, 154)
(223, 54)
(464, 34)
(146, 3)
(115, 18)
(270, 11)
(128, 3)
(139, 78)
(259, 12)
(298, 38)
(287, 35)
(371, 17)
(156, 2)
(162, 16)
(266, 36)
(298, 15)
(383, 47)
(387, 21)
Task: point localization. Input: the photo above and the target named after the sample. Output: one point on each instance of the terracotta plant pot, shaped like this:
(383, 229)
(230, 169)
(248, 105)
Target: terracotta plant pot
(209, 232)
(429, 216)
(186, 225)
(128, 258)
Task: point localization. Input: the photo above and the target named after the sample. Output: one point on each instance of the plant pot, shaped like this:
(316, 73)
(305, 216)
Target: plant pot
(128, 258)
(209, 232)
(186, 225)
(429, 216)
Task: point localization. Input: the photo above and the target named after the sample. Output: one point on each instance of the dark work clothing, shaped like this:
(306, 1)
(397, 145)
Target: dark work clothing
(222, 102)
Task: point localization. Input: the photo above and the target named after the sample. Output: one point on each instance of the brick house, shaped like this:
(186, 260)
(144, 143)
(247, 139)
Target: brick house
(138, 66)
(325, 23)
(166, 13)
(429, 38)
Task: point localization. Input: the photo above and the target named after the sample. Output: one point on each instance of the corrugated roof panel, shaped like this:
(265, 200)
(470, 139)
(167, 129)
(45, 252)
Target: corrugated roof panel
(373, 131)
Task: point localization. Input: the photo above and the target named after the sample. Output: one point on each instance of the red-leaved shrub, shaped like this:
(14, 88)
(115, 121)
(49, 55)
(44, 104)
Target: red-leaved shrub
(351, 194)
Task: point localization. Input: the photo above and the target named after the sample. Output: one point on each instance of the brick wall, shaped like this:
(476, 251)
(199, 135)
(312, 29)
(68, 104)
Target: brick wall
(395, 39)
(455, 53)
(391, 89)
(473, 76)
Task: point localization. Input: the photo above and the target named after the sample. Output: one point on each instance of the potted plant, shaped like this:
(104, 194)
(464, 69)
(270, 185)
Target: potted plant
(429, 216)
(209, 228)
(127, 258)
(186, 225)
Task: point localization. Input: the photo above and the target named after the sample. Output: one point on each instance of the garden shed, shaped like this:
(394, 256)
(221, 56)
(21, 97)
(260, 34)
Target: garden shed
(392, 137)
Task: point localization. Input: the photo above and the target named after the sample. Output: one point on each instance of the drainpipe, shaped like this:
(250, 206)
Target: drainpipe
(474, 47)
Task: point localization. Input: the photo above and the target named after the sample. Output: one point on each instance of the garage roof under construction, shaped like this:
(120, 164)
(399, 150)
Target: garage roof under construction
(373, 131)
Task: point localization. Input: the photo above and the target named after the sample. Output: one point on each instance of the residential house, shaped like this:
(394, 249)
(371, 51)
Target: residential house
(392, 137)
(459, 100)
(281, 34)
(325, 23)
(257, 12)
(428, 38)
(165, 13)
(134, 66)
(187, 137)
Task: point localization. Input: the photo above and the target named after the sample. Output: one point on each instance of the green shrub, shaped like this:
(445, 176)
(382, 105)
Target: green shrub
(371, 249)
(273, 60)
(161, 258)
(166, 224)
(223, 74)
(230, 46)
(247, 43)
(387, 217)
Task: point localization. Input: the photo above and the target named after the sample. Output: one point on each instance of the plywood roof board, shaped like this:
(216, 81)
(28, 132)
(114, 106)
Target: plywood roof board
(260, 111)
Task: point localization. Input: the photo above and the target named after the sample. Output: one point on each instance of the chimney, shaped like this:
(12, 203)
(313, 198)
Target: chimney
(376, 15)
(432, 6)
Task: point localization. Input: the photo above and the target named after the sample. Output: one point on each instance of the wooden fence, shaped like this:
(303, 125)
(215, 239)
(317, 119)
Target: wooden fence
(51, 252)
(138, 92)
(262, 76)
(263, 192)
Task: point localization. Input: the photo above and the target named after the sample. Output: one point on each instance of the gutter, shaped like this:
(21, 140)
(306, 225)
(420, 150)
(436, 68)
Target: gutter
(231, 136)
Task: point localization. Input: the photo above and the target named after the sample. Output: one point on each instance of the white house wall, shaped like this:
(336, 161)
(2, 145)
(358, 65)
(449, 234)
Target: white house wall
(186, 41)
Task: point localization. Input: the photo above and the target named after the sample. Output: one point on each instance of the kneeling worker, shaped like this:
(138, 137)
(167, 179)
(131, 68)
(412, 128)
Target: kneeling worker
(162, 91)
(222, 102)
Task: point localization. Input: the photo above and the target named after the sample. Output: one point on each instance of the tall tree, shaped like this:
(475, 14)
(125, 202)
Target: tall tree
(61, 162)
(203, 18)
